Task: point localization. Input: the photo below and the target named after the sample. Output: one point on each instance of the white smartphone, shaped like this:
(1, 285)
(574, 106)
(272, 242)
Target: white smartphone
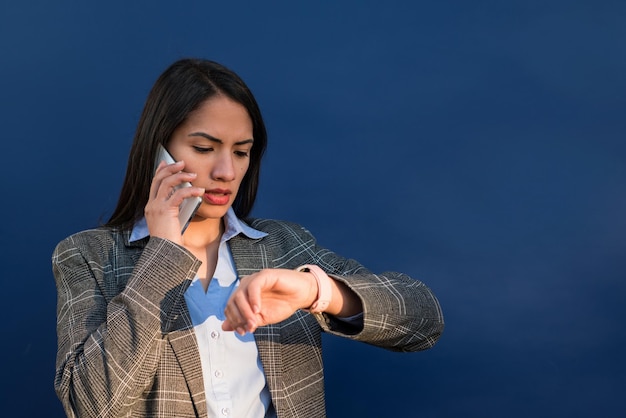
(190, 205)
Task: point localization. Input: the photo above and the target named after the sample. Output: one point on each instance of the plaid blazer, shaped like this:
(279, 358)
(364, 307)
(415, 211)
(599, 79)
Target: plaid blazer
(126, 345)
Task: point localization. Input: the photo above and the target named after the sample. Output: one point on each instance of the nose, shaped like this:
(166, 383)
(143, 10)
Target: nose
(224, 169)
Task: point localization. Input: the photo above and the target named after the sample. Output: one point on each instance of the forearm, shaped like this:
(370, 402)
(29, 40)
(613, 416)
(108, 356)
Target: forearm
(104, 348)
(327, 295)
(344, 302)
(399, 313)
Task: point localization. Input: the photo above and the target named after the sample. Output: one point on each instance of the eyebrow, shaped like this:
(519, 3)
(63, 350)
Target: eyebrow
(219, 141)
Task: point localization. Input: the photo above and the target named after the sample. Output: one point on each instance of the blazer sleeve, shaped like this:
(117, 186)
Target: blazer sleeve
(109, 340)
(400, 313)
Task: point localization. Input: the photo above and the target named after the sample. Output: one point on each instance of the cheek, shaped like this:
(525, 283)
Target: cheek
(241, 173)
(244, 168)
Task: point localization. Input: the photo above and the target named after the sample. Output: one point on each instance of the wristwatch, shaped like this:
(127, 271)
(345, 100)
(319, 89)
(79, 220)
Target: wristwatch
(324, 292)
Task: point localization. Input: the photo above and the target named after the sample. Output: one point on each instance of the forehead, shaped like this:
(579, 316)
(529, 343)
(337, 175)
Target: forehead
(221, 113)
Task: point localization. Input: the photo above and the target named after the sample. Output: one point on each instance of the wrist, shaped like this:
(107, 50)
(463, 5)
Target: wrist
(324, 288)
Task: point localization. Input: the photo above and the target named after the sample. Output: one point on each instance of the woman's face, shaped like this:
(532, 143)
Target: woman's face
(215, 142)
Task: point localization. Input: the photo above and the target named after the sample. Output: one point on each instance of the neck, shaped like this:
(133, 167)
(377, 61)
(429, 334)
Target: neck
(202, 233)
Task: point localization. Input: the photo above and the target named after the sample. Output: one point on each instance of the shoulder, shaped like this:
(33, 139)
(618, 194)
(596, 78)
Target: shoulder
(283, 236)
(279, 228)
(90, 241)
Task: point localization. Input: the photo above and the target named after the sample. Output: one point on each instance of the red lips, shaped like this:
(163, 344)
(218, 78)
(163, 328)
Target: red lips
(217, 196)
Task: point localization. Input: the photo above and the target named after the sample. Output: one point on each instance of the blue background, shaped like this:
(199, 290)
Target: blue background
(475, 145)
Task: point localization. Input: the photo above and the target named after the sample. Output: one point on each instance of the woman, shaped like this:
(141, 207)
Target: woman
(145, 312)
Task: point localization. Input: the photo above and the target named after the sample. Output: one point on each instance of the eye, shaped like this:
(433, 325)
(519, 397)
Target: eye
(202, 150)
(241, 154)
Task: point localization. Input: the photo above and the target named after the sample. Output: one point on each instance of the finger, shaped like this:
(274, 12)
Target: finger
(233, 316)
(253, 291)
(177, 196)
(227, 325)
(252, 287)
(156, 180)
(163, 171)
(246, 318)
(172, 183)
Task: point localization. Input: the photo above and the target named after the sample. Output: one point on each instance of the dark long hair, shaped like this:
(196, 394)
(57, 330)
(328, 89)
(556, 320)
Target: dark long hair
(180, 90)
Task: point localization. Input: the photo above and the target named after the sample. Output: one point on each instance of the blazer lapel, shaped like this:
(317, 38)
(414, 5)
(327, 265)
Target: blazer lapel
(182, 339)
(250, 256)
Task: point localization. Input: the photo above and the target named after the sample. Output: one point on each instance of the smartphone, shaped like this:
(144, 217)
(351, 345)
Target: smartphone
(190, 205)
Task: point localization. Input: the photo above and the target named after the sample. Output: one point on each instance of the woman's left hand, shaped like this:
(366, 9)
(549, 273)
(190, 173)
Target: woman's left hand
(267, 297)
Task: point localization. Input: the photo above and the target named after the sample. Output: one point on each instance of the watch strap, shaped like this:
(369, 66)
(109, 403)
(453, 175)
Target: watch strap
(324, 292)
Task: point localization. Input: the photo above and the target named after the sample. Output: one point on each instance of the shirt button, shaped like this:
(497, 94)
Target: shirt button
(218, 373)
(215, 334)
(225, 411)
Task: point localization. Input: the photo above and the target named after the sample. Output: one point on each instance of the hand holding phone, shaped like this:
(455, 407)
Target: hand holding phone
(191, 204)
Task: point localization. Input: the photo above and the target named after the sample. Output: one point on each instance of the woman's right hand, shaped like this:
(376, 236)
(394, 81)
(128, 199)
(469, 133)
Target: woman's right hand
(162, 209)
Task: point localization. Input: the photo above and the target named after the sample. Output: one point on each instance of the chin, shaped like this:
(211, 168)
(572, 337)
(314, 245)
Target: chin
(211, 212)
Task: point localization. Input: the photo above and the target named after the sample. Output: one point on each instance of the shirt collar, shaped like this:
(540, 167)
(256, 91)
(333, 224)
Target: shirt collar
(232, 227)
